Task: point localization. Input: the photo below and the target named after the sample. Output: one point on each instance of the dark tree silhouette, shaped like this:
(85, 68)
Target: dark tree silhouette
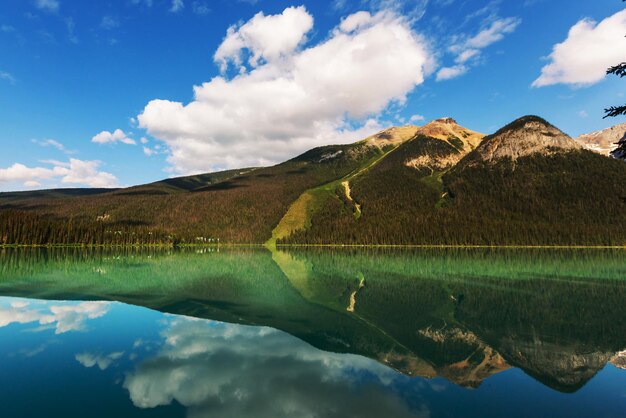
(620, 71)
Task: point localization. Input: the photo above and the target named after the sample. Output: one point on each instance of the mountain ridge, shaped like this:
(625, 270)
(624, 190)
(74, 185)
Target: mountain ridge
(403, 185)
(604, 141)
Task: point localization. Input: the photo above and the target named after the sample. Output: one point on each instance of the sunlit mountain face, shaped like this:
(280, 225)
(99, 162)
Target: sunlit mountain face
(312, 333)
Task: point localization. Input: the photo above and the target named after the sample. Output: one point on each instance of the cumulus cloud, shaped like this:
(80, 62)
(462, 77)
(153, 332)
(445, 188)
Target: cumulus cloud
(265, 37)
(590, 48)
(106, 137)
(63, 316)
(47, 5)
(289, 97)
(216, 369)
(74, 172)
(468, 50)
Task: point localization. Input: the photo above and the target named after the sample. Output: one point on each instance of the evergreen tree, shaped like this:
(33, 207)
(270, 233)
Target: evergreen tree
(618, 70)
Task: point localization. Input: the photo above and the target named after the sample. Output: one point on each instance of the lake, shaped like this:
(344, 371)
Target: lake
(210, 332)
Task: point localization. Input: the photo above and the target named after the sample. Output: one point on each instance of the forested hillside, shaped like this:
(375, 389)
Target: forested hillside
(555, 197)
(527, 184)
(237, 206)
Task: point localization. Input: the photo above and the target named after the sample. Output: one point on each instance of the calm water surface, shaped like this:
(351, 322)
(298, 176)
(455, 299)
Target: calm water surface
(328, 333)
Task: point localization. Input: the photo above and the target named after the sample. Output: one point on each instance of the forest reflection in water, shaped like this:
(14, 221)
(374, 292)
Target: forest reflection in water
(395, 325)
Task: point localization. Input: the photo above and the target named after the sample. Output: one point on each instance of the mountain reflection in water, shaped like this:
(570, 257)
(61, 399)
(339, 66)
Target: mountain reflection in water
(369, 325)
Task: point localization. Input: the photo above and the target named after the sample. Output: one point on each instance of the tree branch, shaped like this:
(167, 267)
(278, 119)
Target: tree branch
(614, 111)
(619, 70)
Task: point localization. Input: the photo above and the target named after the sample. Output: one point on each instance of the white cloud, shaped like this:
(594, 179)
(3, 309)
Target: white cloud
(200, 8)
(493, 33)
(7, 76)
(50, 143)
(216, 369)
(590, 48)
(448, 73)
(149, 151)
(47, 5)
(71, 26)
(417, 118)
(355, 21)
(86, 173)
(109, 22)
(265, 37)
(291, 99)
(413, 10)
(143, 140)
(467, 55)
(31, 184)
(468, 50)
(63, 316)
(177, 6)
(106, 137)
(583, 114)
(146, 3)
(74, 172)
(102, 361)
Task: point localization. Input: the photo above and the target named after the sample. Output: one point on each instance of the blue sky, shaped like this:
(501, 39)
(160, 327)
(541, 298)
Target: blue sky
(101, 93)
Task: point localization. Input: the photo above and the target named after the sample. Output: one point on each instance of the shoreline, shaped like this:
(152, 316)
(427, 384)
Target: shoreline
(304, 246)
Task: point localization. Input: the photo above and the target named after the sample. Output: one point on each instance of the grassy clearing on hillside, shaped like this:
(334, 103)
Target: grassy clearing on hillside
(301, 212)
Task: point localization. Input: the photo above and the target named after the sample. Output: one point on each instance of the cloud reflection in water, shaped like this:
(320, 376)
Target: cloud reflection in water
(217, 369)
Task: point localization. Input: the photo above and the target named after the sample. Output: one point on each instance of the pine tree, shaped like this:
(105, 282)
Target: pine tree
(620, 71)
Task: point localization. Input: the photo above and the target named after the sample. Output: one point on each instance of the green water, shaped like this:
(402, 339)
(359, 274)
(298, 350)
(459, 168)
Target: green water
(480, 323)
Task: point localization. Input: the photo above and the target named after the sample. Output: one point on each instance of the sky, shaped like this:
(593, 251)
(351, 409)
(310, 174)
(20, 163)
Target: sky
(114, 93)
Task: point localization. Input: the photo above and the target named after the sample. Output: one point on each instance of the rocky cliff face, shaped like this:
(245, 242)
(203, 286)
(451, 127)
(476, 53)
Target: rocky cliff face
(461, 141)
(526, 136)
(605, 141)
(447, 129)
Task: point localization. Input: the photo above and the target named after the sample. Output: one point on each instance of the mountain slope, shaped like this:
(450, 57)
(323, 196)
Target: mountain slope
(433, 154)
(241, 206)
(528, 184)
(439, 184)
(604, 141)
(300, 213)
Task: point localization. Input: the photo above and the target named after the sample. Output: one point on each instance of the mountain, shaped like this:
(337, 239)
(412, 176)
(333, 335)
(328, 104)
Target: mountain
(528, 136)
(438, 184)
(605, 141)
(527, 184)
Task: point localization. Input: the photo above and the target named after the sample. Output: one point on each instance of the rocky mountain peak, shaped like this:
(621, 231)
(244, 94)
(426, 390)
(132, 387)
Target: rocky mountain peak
(392, 136)
(604, 141)
(525, 136)
(448, 129)
(448, 121)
